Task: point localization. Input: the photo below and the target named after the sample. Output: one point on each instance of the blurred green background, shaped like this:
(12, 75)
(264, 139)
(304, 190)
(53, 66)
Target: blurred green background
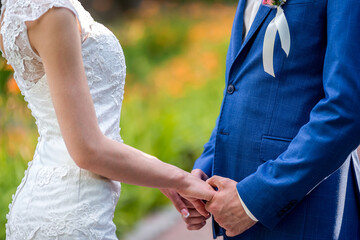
(175, 54)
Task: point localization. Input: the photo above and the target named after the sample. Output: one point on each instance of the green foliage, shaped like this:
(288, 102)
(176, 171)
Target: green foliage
(5, 75)
(159, 41)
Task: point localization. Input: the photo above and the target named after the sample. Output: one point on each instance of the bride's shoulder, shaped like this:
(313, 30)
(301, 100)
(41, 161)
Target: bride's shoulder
(19, 17)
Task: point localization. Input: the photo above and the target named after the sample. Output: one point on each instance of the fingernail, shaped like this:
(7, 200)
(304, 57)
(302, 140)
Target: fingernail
(185, 213)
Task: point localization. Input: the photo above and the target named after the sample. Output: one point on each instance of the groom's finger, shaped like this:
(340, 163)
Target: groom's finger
(216, 181)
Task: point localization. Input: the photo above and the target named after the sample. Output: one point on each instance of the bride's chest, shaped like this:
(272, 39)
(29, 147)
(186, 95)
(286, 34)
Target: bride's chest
(103, 56)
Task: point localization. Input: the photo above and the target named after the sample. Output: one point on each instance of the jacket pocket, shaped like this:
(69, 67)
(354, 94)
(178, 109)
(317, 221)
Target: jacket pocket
(271, 147)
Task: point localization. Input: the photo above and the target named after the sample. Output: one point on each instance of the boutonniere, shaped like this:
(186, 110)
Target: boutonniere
(278, 24)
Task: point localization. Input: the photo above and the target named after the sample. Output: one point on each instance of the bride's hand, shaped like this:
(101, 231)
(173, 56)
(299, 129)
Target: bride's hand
(196, 190)
(193, 219)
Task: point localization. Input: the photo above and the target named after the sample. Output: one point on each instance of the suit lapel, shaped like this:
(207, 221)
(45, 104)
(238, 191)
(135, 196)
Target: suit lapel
(261, 15)
(259, 19)
(237, 29)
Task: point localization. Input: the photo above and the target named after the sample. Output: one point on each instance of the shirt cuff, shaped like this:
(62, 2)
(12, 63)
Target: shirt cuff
(246, 209)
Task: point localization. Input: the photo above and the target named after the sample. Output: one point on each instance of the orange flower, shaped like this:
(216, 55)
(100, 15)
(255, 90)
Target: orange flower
(8, 67)
(12, 86)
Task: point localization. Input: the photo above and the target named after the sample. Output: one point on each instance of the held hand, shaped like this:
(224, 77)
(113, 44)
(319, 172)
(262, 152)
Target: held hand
(198, 204)
(177, 200)
(192, 187)
(200, 174)
(226, 207)
(193, 219)
(195, 190)
(196, 221)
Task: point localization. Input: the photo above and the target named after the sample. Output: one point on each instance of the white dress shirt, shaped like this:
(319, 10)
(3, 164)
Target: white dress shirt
(251, 8)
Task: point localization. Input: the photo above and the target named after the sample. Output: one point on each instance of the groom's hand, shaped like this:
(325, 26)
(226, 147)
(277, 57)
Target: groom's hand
(226, 207)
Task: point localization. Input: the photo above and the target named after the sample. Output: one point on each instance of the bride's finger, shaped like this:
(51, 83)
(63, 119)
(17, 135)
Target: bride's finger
(177, 201)
(187, 203)
(194, 213)
(194, 220)
(200, 207)
(195, 226)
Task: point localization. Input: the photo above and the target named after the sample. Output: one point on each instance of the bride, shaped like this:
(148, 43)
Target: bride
(71, 71)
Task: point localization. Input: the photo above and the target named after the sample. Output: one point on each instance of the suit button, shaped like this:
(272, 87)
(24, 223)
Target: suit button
(230, 89)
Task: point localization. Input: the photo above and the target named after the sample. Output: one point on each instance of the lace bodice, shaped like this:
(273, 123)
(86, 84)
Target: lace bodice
(56, 199)
(102, 55)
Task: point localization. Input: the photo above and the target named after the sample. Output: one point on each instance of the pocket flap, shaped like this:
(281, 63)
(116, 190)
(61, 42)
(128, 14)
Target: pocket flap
(272, 147)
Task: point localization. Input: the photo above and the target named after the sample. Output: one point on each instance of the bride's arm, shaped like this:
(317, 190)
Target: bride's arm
(55, 37)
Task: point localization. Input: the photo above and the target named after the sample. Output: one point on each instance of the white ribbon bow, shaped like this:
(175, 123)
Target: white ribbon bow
(278, 24)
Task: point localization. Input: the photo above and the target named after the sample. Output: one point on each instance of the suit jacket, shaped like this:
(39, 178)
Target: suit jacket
(286, 140)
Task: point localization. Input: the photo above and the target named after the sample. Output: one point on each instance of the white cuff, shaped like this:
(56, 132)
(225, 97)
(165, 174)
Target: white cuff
(246, 209)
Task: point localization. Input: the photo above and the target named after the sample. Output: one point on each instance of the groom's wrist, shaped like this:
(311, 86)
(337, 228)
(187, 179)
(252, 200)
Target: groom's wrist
(247, 211)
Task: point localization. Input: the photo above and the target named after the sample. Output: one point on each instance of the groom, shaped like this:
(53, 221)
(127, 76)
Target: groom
(279, 151)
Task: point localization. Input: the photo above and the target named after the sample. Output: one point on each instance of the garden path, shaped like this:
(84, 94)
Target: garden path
(168, 225)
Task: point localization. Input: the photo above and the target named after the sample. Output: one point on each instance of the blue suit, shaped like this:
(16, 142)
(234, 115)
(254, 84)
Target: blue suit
(286, 140)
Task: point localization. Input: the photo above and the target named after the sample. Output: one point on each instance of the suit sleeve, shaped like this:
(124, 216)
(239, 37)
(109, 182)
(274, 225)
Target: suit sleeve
(332, 133)
(205, 161)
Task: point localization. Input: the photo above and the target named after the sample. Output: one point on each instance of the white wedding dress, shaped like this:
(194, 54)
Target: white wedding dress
(56, 199)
